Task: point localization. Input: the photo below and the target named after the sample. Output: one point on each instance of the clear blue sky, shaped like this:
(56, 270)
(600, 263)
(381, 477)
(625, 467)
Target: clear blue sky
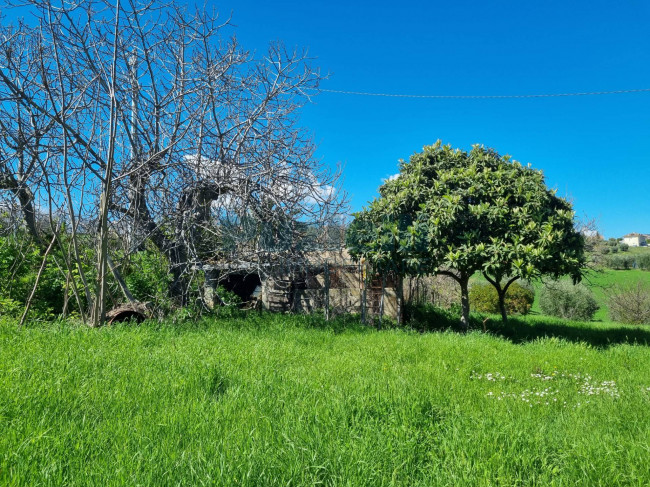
(594, 149)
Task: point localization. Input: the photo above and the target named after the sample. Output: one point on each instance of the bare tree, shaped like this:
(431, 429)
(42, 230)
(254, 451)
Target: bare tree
(147, 120)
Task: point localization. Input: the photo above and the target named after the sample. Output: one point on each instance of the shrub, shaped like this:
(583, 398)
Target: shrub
(20, 261)
(630, 303)
(564, 300)
(147, 277)
(10, 307)
(519, 298)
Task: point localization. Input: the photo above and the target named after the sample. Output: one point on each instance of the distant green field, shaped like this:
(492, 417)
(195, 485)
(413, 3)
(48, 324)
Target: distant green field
(601, 283)
(285, 400)
(639, 250)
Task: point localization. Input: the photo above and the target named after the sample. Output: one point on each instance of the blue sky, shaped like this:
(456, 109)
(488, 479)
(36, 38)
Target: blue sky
(595, 149)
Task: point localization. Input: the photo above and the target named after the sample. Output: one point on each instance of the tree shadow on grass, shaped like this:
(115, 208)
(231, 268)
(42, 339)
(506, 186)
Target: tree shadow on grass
(524, 330)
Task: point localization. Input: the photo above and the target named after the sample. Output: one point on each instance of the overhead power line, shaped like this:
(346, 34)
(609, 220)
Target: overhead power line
(539, 95)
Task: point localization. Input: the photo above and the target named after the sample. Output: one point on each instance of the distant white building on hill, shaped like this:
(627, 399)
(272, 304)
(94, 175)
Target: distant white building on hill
(636, 239)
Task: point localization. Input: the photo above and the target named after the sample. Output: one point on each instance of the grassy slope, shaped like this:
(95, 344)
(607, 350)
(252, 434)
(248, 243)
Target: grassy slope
(639, 250)
(271, 401)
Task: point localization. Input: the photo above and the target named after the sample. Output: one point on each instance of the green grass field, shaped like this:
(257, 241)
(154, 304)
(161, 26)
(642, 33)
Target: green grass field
(281, 400)
(639, 250)
(602, 282)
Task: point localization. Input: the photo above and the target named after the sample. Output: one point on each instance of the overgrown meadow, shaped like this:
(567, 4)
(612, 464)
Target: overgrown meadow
(265, 399)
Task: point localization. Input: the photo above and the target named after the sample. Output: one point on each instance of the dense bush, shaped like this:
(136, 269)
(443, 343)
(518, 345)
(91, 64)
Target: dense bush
(564, 300)
(147, 277)
(20, 261)
(630, 303)
(519, 298)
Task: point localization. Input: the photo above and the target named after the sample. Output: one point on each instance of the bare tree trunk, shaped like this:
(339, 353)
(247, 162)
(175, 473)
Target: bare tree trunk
(26, 199)
(99, 308)
(120, 281)
(501, 293)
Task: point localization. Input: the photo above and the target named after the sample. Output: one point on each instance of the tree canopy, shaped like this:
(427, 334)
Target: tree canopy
(457, 213)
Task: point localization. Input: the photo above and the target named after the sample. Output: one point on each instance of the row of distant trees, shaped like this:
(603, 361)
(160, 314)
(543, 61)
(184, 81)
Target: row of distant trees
(131, 124)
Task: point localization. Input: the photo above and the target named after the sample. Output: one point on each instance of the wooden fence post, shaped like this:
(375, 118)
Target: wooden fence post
(381, 301)
(362, 276)
(327, 291)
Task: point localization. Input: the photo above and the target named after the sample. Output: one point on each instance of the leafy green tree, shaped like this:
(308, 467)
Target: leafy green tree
(467, 212)
(384, 237)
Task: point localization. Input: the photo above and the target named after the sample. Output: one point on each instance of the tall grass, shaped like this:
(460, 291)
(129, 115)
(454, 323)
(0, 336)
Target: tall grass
(281, 400)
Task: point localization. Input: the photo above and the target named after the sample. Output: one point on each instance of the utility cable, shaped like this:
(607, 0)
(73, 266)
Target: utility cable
(543, 95)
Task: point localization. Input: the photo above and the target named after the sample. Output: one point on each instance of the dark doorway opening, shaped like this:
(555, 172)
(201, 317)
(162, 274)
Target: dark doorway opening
(246, 286)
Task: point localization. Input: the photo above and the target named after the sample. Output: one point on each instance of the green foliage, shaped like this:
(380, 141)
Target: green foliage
(229, 299)
(643, 261)
(147, 277)
(468, 212)
(10, 307)
(20, 261)
(563, 299)
(630, 303)
(621, 262)
(485, 299)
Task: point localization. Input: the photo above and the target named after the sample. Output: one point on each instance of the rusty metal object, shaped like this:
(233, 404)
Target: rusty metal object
(136, 310)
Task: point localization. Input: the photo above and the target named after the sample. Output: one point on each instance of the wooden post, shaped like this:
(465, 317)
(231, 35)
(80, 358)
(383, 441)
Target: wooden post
(327, 291)
(400, 300)
(381, 301)
(362, 282)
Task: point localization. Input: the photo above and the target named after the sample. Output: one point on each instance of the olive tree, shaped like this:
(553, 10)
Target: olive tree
(476, 211)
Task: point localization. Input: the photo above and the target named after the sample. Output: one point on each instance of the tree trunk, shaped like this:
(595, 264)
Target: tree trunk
(502, 304)
(400, 300)
(464, 302)
(99, 307)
